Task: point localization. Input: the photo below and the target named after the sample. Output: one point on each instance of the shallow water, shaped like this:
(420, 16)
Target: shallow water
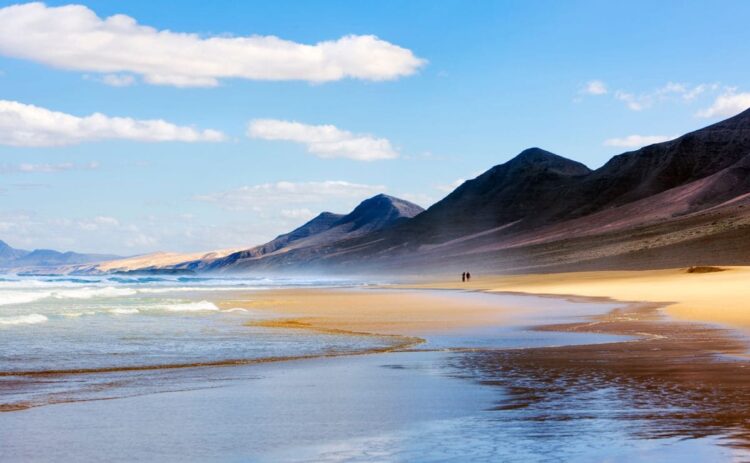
(436, 403)
(50, 326)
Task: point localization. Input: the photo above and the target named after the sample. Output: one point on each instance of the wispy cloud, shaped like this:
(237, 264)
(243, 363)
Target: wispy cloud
(74, 37)
(447, 188)
(595, 87)
(270, 198)
(302, 214)
(726, 105)
(27, 125)
(639, 101)
(637, 141)
(324, 141)
(671, 90)
(108, 234)
(118, 80)
(30, 168)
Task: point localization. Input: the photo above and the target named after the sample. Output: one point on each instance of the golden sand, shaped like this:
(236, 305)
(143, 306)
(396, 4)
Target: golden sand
(710, 297)
(382, 311)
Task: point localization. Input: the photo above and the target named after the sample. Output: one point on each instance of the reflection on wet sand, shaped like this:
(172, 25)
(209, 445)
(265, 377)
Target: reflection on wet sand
(679, 380)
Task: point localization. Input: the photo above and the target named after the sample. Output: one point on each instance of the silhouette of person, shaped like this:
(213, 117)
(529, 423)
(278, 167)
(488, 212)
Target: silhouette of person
(468, 276)
(463, 276)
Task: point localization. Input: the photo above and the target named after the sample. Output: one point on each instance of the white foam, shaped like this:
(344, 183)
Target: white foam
(21, 297)
(175, 289)
(236, 309)
(202, 306)
(88, 293)
(23, 319)
(78, 314)
(124, 311)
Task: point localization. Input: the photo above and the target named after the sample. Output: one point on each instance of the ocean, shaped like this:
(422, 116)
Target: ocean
(68, 339)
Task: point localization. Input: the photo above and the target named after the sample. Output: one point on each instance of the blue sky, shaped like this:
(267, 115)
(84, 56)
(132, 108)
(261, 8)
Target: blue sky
(461, 86)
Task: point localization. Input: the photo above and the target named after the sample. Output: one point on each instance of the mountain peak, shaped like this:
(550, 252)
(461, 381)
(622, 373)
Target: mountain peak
(535, 153)
(379, 211)
(539, 158)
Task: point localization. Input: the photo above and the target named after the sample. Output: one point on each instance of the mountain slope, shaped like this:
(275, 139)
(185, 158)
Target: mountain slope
(539, 200)
(664, 203)
(371, 215)
(8, 254)
(516, 190)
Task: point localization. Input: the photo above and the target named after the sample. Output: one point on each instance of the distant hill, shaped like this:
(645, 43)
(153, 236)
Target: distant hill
(19, 259)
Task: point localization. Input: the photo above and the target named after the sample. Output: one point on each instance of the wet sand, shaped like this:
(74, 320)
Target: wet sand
(671, 389)
(687, 375)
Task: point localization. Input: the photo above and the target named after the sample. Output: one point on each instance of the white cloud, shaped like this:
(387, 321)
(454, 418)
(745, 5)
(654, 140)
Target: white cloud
(671, 91)
(726, 105)
(631, 101)
(118, 80)
(324, 141)
(29, 168)
(595, 87)
(450, 186)
(74, 37)
(289, 195)
(637, 141)
(105, 234)
(27, 125)
(304, 214)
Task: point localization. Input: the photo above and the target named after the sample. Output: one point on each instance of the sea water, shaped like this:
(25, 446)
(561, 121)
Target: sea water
(67, 339)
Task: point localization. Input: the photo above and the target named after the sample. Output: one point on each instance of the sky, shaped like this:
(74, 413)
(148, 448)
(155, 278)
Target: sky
(131, 127)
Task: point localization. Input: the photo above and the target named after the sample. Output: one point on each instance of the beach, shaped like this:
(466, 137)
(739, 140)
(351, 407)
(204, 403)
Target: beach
(580, 367)
(709, 295)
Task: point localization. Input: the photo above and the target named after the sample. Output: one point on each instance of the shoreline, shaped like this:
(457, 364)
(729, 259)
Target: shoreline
(332, 311)
(672, 387)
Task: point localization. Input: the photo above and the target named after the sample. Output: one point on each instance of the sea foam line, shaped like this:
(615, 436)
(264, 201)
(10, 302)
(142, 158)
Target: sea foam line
(29, 319)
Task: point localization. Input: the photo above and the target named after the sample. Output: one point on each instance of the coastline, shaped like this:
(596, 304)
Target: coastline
(684, 296)
(664, 383)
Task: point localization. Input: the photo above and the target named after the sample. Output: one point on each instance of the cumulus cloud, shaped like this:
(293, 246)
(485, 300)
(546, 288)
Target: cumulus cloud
(726, 105)
(27, 125)
(324, 141)
(30, 168)
(74, 37)
(288, 196)
(595, 87)
(637, 141)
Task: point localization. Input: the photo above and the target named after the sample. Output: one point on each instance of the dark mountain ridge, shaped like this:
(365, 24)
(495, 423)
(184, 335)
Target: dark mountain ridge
(540, 211)
(537, 192)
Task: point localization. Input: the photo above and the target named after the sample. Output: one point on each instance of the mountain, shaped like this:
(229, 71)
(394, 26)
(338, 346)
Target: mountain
(300, 245)
(19, 259)
(374, 214)
(678, 203)
(8, 253)
(522, 188)
(655, 206)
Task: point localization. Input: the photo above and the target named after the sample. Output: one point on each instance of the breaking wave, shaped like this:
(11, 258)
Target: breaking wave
(29, 319)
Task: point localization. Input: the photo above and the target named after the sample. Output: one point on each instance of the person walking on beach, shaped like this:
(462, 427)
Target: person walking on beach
(463, 277)
(468, 276)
